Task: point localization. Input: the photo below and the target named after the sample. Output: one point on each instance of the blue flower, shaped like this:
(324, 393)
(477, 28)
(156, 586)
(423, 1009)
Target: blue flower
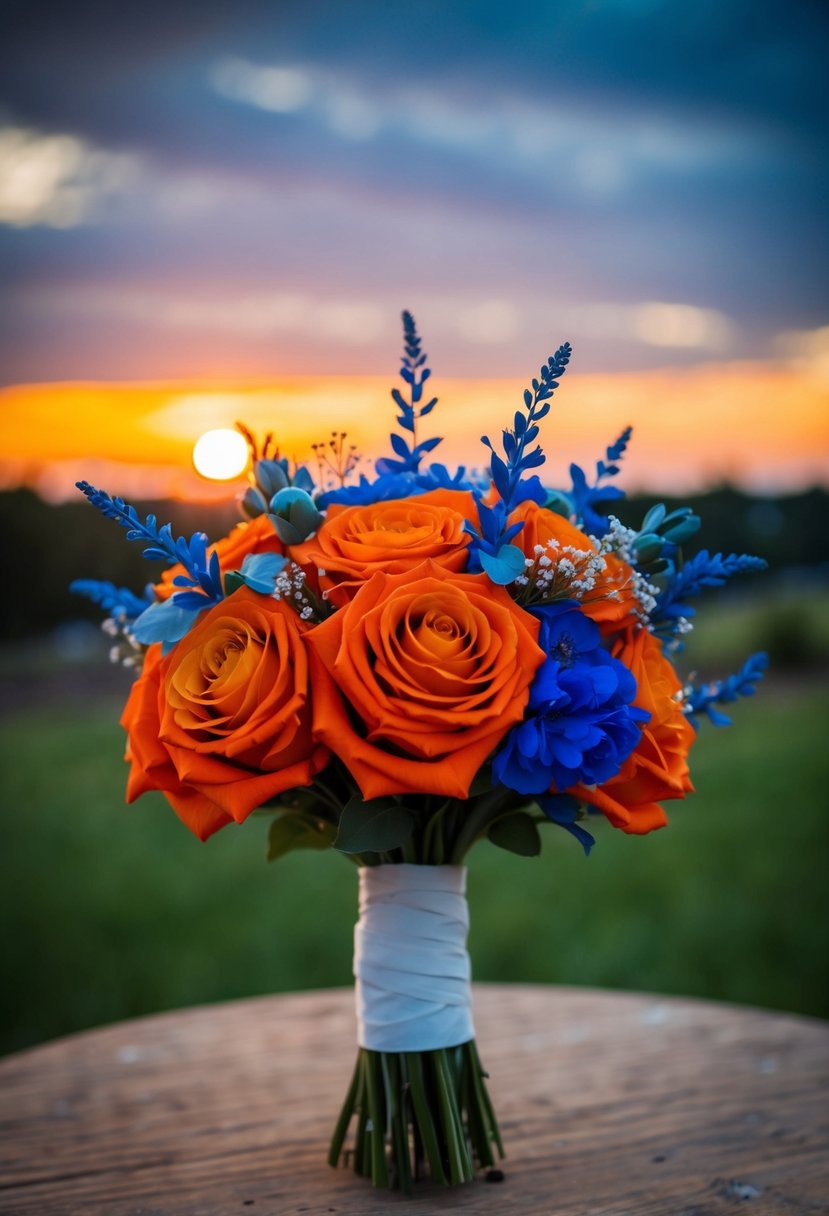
(580, 725)
(587, 500)
(438, 477)
(383, 488)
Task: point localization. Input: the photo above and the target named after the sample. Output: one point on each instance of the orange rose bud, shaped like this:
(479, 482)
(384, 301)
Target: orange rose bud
(612, 604)
(257, 536)
(223, 722)
(393, 536)
(419, 677)
(658, 768)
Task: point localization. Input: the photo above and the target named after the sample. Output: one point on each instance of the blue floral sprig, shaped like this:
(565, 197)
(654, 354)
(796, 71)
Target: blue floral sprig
(701, 571)
(585, 497)
(507, 474)
(160, 544)
(398, 485)
(366, 492)
(702, 698)
(414, 373)
(490, 548)
(122, 604)
(201, 585)
(438, 477)
(565, 810)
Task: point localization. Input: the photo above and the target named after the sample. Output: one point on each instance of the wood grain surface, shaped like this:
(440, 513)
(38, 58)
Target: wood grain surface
(609, 1103)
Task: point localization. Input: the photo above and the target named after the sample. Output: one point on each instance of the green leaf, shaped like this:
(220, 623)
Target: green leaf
(290, 832)
(374, 826)
(287, 533)
(253, 504)
(517, 834)
(233, 581)
(482, 782)
(559, 503)
(302, 799)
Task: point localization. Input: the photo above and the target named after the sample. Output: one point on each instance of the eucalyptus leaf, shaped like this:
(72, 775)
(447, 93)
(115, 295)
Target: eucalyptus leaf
(559, 503)
(505, 566)
(654, 518)
(253, 503)
(517, 834)
(290, 832)
(259, 571)
(163, 621)
(287, 533)
(270, 476)
(647, 547)
(375, 826)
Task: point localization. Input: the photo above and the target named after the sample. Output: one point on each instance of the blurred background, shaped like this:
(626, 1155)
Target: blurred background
(214, 212)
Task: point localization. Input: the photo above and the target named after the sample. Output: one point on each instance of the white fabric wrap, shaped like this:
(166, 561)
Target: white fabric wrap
(411, 966)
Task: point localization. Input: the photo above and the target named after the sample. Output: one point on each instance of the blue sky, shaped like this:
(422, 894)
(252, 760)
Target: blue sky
(256, 189)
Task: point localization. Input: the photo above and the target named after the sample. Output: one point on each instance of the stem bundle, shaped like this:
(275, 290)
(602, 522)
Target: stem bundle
(417, 1114)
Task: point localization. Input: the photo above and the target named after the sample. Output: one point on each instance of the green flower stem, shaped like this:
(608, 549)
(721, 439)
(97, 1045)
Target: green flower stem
(345, 1115)
(432, 845)
(379, 1170)
(425, 1123)
(361, 1107)
(460, 1165)
(417, 1113)
(476, 822)
(396, 1099)
(478, 1077)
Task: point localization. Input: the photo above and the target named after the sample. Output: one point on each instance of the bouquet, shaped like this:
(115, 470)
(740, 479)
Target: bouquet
(397, 666)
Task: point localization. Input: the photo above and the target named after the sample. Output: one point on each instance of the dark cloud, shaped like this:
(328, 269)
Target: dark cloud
(583, 150)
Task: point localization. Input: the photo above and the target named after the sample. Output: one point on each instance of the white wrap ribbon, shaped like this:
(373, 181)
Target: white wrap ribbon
(411, 966)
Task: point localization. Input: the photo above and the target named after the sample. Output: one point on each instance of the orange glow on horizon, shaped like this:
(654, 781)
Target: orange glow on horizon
(757, 425)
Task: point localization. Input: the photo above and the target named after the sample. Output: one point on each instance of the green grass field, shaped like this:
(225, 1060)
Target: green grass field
(111, 912)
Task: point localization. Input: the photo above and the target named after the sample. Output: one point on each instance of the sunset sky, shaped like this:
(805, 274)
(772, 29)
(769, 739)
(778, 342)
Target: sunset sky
(214, 211)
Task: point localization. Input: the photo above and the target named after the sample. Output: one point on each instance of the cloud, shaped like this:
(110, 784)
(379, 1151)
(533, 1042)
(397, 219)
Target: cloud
(807, 350)
(580, 147)
(282, 90)
(57, 180)
(236, 186)
(352, 321)
(670, 326)
(348, 321)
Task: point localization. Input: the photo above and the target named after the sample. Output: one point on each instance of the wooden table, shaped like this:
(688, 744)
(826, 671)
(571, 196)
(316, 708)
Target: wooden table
(609, 1103)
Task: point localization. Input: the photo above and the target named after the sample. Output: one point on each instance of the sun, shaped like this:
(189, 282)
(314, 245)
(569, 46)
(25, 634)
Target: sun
(220, 455)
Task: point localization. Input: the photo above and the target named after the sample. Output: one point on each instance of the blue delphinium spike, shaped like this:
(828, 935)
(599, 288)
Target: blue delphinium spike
(586, 498)
(160, 543)
(701, 571)
(702, 699)
(490, 548)
(121, 604)
(414, 373)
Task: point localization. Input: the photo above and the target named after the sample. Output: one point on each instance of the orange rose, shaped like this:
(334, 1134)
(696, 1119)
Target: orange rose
(223, 722)
(257, 536)
(612, 605)
(419, 677)
(393, 536)
(658, 768)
